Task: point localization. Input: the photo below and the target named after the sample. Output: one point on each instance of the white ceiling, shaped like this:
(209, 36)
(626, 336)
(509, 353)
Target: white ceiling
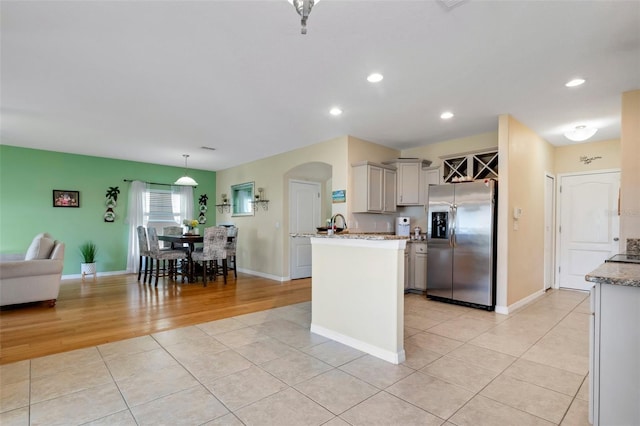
(152, 80)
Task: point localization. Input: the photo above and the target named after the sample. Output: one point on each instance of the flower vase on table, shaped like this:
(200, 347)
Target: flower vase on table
(191, 225)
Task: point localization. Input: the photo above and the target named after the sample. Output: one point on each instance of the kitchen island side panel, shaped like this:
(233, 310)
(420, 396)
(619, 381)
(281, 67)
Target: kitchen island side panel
(357, 294)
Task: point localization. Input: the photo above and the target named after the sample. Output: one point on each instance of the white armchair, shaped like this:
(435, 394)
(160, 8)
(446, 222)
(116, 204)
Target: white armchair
(37, 277)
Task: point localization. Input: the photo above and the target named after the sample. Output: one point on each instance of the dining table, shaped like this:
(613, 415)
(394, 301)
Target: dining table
(180, 241)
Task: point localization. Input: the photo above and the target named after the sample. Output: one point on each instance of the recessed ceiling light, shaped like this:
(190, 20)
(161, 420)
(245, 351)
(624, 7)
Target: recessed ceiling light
(335, 111)
(446, 115)
(580, 133)
(575, 82)
(375, 77)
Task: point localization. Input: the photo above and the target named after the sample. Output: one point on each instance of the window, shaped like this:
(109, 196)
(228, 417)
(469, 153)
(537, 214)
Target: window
(163, 206)
(242, 198)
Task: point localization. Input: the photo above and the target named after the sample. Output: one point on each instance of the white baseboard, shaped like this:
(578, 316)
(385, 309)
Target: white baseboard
(244, 271)
(263, 275)
(90, 277)
(519, 304)
(392, 357)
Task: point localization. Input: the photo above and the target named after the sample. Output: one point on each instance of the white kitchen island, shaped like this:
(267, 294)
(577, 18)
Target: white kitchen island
(614, 373)
(357, 292)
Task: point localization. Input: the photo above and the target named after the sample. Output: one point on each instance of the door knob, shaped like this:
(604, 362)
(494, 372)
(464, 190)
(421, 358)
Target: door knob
(616, 239)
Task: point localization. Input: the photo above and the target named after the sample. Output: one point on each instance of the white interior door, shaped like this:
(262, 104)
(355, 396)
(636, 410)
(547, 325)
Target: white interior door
(549, 230)
(304, 217)
(589, 225)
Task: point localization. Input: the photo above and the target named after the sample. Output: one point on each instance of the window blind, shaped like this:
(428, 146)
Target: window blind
(160, 206)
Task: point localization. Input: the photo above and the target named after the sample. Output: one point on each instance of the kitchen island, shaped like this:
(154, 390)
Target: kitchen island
(357, 291)
(614, 371)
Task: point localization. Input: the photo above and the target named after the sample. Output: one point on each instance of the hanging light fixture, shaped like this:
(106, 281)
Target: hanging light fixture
(303, 7)
(186, 180)
(580, 133)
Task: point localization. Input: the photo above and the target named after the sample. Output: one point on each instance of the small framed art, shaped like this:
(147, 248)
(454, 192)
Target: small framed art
(64, 198)
(339, 196)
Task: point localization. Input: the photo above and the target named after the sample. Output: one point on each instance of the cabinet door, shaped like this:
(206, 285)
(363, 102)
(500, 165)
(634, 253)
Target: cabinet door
(376, 187)
(420, 271)
(419, 266)
(389, 192)
(407, 267)
(429, 177)
(408, 184)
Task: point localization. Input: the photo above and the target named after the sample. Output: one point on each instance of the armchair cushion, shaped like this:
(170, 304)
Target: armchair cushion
(40, 247)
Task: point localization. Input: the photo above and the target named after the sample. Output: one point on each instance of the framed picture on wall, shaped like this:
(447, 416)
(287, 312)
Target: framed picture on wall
(65, 198)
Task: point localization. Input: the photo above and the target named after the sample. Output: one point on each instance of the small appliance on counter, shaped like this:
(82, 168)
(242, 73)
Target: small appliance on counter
(403, 226)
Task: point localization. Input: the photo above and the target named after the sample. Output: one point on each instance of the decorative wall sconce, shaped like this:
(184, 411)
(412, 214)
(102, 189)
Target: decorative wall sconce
(225, 206)
(260, 201)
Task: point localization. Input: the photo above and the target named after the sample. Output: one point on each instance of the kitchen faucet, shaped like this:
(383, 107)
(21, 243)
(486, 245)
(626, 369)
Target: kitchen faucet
(333, 221)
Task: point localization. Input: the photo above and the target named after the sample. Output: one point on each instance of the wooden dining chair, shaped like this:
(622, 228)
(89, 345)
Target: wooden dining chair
(213, 250)
(155, 253)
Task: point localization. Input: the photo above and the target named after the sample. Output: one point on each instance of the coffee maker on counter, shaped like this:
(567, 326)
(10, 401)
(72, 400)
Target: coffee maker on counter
(403, 226)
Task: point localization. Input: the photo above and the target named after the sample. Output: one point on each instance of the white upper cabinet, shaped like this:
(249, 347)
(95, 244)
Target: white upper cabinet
(408, 184)
(430, 176)
(374, 188)
(410, 181)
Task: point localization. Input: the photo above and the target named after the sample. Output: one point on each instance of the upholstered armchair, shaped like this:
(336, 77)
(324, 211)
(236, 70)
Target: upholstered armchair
(36, 277)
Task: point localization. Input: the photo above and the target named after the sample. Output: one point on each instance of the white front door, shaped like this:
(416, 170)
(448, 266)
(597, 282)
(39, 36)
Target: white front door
(304, 217)
(589, 225)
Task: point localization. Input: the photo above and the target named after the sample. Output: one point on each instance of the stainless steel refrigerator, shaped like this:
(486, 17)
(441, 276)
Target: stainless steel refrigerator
(461, 243)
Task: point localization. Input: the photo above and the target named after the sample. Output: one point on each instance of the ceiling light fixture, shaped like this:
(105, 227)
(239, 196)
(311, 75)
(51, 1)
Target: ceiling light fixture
(186, 180)
(446, 115)
(375, 77)
(580, 133)
(303, 7)
(575, 82)
(335, 111)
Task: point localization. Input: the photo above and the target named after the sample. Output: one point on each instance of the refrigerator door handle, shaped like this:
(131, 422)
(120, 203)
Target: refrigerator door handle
(452, 224)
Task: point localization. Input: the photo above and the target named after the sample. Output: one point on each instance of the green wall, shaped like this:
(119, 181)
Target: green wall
(28, 177)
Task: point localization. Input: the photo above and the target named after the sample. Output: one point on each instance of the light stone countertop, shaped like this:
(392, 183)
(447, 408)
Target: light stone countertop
(625, 274)
(348, 236)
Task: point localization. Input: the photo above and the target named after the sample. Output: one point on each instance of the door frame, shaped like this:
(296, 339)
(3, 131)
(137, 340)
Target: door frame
(554, 230)
(559, 178)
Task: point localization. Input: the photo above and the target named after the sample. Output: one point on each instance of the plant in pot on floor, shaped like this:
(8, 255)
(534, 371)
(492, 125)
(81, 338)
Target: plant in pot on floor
(88, 251)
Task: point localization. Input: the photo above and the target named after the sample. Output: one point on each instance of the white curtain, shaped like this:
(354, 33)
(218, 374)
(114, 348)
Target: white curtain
(135, 218)
(185, 201)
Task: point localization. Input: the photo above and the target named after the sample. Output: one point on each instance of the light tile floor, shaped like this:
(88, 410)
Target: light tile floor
(464, 367)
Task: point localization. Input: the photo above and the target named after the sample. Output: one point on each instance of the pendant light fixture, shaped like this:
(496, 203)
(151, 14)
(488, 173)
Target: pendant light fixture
(186, 180)
(303, 7)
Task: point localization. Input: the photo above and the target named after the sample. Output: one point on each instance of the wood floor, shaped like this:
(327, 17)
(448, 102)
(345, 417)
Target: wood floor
(119, 307)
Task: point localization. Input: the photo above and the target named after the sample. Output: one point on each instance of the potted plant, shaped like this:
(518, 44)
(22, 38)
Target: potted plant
(88, 251)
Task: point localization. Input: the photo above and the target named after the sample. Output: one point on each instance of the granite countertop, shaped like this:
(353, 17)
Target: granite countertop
(625, 274)
(347, 236)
